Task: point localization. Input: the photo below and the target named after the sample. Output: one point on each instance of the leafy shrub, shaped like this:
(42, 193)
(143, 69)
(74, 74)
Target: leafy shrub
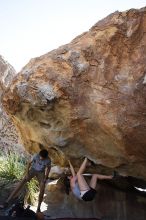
(12, 169)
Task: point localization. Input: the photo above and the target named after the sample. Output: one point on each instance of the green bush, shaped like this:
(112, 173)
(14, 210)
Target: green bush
(33, 188)
(12, 169)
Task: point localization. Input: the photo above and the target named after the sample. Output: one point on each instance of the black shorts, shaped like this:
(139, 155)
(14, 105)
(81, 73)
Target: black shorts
(89, 195)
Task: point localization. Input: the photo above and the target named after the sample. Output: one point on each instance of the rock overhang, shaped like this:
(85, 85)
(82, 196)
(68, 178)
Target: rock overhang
(87, 98)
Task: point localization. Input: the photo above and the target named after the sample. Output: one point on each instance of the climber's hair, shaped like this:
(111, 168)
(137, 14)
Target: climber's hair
(66, 183)
(43, 153)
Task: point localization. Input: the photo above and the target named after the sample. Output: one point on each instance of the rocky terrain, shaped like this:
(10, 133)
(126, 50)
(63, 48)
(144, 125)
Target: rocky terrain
(110, 204)
(87, 98)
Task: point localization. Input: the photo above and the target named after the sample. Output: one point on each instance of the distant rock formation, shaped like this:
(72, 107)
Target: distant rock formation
(9, 139)
(7, 73)
(88, 98)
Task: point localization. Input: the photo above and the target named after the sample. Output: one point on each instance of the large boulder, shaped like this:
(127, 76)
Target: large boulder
(87, 98)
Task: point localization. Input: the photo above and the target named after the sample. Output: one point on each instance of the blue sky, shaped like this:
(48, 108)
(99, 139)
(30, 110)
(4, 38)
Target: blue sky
(30, 28)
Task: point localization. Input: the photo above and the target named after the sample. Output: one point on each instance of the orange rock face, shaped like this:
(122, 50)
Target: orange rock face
(88, 98)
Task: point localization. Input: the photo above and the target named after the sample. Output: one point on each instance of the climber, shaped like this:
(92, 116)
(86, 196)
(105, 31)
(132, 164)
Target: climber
(38, 167)
(80, 188)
